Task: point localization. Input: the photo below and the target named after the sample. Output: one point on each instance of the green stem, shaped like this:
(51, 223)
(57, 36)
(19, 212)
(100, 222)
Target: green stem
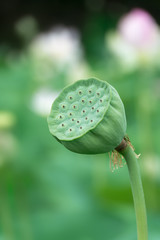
(137, 191)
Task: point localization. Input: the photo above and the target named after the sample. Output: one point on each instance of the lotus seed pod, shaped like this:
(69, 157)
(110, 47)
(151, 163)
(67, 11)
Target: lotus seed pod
(88, 117)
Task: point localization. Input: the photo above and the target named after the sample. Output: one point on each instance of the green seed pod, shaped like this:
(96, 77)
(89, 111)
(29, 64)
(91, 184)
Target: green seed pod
(88, 117)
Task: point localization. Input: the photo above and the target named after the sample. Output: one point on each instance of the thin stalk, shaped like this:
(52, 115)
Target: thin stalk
(137, 191)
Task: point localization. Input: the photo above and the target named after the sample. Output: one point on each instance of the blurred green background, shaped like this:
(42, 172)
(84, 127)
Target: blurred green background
(47, 192)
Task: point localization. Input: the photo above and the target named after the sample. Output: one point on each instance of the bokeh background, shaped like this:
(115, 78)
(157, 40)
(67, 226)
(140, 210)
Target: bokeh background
(47, 192)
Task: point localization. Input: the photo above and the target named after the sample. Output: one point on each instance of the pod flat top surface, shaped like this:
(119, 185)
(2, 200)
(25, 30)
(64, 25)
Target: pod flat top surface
(79, 108)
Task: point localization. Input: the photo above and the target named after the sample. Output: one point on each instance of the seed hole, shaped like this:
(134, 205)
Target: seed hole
(80, 92)
(63, 106)
(84, 111)
(70, 114)
(91, 120)
(90, 91)
(60, 116)
(70, 129)
(90, 101)
(93, 108)
(80, 127)
(74, 106)
(70, 98)
(98, 93)
(77, 121)
(72, 119)
(100, 100)
(86, 118)
(83, 100)
(62, 125)
(97, 110)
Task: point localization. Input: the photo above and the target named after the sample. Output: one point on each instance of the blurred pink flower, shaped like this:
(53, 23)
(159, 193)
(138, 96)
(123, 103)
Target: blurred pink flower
(139, 28)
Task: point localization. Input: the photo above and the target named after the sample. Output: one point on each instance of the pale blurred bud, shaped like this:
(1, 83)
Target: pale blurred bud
(61, 45)
(122, 50)
(42, 101)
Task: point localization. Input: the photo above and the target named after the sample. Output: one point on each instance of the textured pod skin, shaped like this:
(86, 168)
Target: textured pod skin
(88, 117)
